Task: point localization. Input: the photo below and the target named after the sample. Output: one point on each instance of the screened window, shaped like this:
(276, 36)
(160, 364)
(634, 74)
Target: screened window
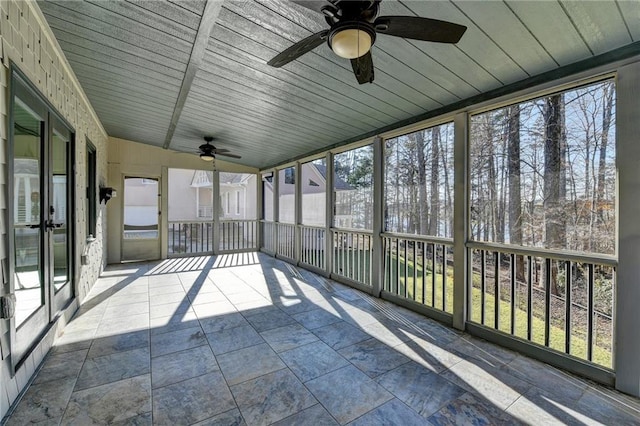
(353, 188)
(543, 172)
(267, 197)
(286, 195)
(314, 192)
(418, 187)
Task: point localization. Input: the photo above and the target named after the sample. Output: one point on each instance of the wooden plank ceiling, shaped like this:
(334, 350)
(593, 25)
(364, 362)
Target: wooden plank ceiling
(131, 57)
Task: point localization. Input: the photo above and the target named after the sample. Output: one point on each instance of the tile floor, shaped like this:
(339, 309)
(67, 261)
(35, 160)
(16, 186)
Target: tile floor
(247, 339)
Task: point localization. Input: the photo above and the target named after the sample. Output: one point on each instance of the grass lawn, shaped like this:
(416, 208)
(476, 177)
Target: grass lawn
(413, 289)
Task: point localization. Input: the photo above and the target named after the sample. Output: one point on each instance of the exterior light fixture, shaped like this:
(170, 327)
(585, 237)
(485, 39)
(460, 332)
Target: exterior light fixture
(207, 156)
(351, 41)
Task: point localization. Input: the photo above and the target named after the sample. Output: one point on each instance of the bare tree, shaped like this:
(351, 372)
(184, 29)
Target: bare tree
(435, 182)
(515, 195)
(555, 220)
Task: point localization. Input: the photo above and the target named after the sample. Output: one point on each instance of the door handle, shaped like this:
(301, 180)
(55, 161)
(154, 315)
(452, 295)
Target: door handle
(50, 225)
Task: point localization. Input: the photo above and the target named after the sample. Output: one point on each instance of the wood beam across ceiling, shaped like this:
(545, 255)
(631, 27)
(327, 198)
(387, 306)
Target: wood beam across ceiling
(209, 17)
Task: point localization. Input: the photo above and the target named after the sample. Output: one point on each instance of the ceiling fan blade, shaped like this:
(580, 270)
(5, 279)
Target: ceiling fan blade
(220, 150)
(418, 28)
(298, 49)
(363, 68)
(228, 155)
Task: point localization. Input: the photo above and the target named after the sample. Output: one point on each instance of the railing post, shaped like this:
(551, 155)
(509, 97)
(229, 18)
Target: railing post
(460, 221)
(259, 216)
(276, 209)
(377, 269)
(627, 288)
(216, 212)
(329, 203)
(297, 213)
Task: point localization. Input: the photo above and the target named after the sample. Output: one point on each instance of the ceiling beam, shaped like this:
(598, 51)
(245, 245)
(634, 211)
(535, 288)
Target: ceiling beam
(209, 16)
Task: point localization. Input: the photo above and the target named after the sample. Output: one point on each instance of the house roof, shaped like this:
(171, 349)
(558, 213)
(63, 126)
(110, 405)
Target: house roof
(167, 73)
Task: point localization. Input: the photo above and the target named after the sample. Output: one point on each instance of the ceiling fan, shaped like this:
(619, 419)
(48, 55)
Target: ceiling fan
(353, 27)
(208, 152)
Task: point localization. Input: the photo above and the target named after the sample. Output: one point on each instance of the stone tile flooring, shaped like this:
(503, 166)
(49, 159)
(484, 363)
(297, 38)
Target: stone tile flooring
(250, 340)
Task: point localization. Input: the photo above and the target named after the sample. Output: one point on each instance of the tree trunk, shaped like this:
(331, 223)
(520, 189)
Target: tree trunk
(554, 171)
(435, 183)
(607, 109)
(423, 203)
(515, 195)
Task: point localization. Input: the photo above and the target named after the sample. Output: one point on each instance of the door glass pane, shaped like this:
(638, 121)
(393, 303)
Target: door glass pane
(60, 190)
(29, 286)
(140, 208)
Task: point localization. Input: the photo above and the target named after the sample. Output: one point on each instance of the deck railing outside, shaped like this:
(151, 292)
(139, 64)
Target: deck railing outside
(555, 299)
(190, 238)
(238, 235)
(419, 269)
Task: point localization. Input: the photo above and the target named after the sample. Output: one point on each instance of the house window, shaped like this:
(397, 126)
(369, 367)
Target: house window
(290, 176)
(313, 183)
(237, 202)
(91, 205)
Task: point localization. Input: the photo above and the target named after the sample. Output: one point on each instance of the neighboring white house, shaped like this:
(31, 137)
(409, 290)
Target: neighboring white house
(191, 195)
(314, 192)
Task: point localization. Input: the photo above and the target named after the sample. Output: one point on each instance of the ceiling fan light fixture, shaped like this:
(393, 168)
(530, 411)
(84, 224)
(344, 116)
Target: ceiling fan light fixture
(351, 43)
(207, 156)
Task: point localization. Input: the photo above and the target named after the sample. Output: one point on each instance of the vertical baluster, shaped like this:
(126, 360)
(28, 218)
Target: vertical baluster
(513, 292)
(483, 285)
(547, 300)
(444, 278)
(191, 237)
(397, 291)
(424, 272)
(530, 265)
(173, 237)
(433, 274)
(567, 307)
(496, 291)
(370, 256)
(415, 269)
(590, 314)
(406, 270)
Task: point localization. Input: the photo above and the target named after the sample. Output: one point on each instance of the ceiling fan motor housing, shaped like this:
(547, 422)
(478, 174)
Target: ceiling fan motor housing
(349, 39)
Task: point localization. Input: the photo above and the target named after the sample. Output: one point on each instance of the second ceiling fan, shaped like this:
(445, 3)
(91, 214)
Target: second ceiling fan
(353, 28)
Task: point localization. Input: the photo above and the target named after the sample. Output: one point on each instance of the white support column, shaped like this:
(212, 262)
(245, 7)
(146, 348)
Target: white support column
(276, 208)
(164, 213)
(627, 295)
(216, 211)
(259, 213)
(377, 269)
(460, 220)
(298, 213)
(329, 203)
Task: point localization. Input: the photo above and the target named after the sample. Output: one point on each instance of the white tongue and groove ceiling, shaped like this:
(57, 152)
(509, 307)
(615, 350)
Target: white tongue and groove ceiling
(166, 73)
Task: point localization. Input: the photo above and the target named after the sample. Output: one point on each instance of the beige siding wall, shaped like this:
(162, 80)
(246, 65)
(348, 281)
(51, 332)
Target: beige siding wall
(28, 43)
